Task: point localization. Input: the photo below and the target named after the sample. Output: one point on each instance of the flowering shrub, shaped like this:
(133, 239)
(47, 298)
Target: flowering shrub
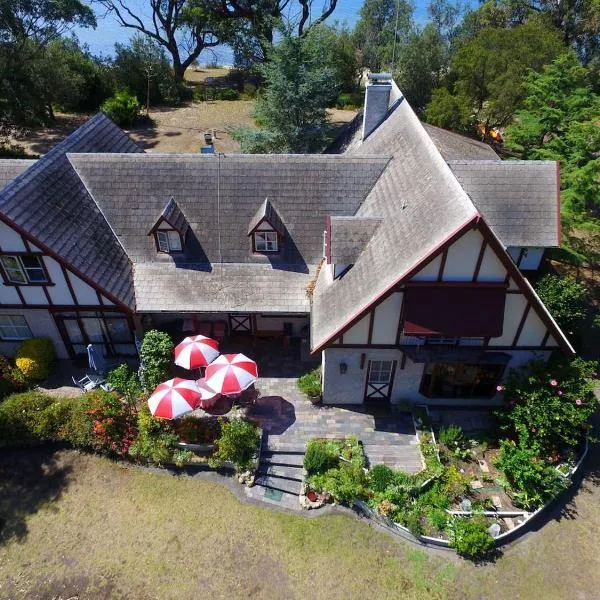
(11, 379)
(156, 441)
(35, 357)
(548, 405)
(113, 423)
(237, 443)
(126, 382)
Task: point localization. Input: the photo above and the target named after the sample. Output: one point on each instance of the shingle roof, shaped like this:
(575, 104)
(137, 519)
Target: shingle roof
(519, 199)
(453, 146)
(174, 216)
(219, 196)
(421, 204)
(266, 211)
(50, 202)
(224, 288)
(348, 238)
(11, 168)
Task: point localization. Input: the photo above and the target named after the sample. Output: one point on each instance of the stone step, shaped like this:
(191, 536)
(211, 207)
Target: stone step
(277, 483)
(286, 472)
(279, 458)
(289, 447)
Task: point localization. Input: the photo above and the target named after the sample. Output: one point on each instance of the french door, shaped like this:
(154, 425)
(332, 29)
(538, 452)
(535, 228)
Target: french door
(380, 379)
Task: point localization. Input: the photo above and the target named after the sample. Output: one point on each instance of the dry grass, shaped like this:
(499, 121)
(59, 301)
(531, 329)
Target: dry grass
(77, 525)
(178, 129)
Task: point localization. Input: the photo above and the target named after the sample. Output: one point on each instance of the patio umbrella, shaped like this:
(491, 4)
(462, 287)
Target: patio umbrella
(96, 359)
(174, 398)
(196, 351)
(231, 373)
(208, 396)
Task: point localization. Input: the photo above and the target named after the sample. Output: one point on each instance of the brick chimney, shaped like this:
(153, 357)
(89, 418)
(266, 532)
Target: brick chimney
(377, 101)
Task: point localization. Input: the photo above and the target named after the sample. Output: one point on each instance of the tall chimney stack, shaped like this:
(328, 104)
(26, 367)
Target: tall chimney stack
(377, 101)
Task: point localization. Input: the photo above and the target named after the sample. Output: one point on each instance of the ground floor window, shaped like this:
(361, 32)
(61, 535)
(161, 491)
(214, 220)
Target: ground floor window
(109, 330)
(460, 380)
(14, 327)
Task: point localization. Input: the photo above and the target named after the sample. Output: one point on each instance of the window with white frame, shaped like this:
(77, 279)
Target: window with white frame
(168, 240)
(380, 371)
(24, 268)
(265, 241)
(14, 327)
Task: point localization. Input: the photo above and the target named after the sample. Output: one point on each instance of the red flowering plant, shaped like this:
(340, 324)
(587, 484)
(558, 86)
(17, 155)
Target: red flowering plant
(113, 423)
(547, 406)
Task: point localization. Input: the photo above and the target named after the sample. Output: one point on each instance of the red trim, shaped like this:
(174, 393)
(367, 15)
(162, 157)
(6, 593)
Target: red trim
(462, 284)
(558, 202)
(404, 277)
(69, 285)
(20, 294)
(479, 260)
(440, 275)
(63, 262)
(371, 324)
(521, 325)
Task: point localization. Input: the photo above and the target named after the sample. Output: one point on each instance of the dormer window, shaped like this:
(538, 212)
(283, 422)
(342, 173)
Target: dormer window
(169, 241)
(267, 229)
(265, 241)
(170, 229)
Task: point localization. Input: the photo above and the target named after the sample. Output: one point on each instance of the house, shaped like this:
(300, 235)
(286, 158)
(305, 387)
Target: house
(399, 251)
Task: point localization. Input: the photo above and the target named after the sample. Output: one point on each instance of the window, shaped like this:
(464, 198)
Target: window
(265, 241)
(380, 371)
(14, 327)
(24, 269)
(169, 241)
(460, 380)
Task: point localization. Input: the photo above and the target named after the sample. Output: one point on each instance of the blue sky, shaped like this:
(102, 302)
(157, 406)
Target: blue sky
(103, 38)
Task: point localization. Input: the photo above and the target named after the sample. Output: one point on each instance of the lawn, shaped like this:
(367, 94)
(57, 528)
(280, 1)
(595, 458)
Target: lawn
(79, 525)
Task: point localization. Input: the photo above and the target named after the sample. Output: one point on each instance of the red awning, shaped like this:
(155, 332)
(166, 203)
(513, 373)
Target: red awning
(454, 311)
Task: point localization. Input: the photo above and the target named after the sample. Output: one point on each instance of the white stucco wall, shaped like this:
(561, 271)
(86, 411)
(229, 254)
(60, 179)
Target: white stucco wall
(41, 324)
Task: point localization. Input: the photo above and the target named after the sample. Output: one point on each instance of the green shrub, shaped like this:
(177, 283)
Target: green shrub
(350, 101)
(156, 442)
(438, 518)
(238, 443)
(34, 358)
(380, 477)
(346, 484)
(183, 457)
(310, 383)
(227, 94)
(78, 427)
(549, 405)
(455, 484)
(156, 355)
(19, 417)
(414, 521)
(126, 382)
(532, 480)
(451, 436)
(470, 537)
(123, 108)
(320, 456)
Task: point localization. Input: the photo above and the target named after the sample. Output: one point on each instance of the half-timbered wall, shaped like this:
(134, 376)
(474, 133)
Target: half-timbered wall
(378, 334)
(61, 293)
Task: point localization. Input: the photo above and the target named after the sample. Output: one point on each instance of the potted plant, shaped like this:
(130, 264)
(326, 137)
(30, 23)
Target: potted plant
(310, 384)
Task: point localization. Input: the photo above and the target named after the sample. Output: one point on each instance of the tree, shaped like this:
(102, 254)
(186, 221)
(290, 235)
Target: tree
(142, 67)
(257, 20)
(182, 28)
(422, 61)
(291, 111)
(26, 29)
(489, 69)
(380, 21)
(560, 120)
(449, 111)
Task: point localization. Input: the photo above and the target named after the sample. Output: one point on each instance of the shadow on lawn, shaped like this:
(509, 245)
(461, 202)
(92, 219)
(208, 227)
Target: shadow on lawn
(30, 479)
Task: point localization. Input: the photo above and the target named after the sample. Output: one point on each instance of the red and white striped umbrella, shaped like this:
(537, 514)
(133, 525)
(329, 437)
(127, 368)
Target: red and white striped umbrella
(174, 398)
(196, 351)
(231, 373)
(208, 396)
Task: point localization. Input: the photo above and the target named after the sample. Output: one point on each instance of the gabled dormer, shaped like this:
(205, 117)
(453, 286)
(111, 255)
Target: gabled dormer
(170, 229)
(267, 229)
(345, 239)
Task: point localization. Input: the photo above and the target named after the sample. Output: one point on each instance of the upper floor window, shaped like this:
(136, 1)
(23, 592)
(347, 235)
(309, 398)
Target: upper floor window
(265, 241)
(24, 269)
(169, 240)
(14, 327)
